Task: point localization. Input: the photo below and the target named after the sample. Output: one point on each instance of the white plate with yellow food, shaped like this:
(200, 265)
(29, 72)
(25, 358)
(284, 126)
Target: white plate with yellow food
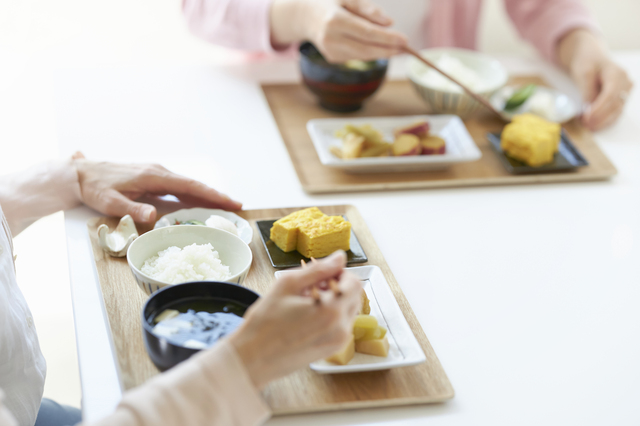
(403, 348)
(392, 144)
(213, 218)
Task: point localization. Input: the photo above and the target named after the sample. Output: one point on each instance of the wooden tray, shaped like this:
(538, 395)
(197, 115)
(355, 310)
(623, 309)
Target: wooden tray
(293, 105)
(303, 391)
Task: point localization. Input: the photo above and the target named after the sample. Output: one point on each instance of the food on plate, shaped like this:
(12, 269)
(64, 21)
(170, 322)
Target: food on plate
(345, 355)
(419, 128)
(220, 222)
(432, 145)
(368, 338)
(312, 233)
(365, 308)
(458, 70)
(377, 347)
(365, 142)
(406, 144)
(531, 139)
(196, 262)
(198, 324)
(519, 97)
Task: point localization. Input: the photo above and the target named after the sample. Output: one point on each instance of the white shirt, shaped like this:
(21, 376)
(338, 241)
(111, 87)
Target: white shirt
(22, 366)
(25, 197)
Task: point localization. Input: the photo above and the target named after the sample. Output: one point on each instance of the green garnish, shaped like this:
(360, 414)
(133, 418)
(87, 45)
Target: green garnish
(520, 97)
(190, 222)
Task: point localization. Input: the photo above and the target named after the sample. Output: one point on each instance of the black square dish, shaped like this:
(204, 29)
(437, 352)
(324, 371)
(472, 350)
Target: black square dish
(567, 158)
(280, 259)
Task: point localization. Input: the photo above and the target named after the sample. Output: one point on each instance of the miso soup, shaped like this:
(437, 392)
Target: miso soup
(197, 323)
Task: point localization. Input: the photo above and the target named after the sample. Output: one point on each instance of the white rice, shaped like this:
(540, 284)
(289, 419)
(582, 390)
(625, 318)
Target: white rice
(192, 263)
(458, 70)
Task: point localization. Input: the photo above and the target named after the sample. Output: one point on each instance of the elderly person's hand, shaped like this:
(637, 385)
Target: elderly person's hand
(340, 29)
(604, 85)
(112, 188)
(285, 330)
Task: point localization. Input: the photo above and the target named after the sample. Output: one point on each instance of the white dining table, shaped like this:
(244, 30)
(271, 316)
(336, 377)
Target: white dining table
(530, 295)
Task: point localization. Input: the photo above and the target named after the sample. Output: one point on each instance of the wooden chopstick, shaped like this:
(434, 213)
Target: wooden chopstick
(470, 92)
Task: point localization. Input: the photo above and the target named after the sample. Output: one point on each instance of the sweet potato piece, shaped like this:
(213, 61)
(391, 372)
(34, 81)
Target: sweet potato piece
(420, 129)
(406, 144)
(433, 145)
(376, 150)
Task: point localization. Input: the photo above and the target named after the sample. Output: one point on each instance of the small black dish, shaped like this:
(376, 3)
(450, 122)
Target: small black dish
(280, 259)
(165, 354)
(338, 87)
(567, 158)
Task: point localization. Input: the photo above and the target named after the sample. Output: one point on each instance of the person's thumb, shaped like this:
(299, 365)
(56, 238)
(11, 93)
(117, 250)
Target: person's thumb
(118, 205)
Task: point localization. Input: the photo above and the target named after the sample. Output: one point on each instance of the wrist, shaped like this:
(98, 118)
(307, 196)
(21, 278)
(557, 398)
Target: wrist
(288, 20)
(572, 46)
(249, 355)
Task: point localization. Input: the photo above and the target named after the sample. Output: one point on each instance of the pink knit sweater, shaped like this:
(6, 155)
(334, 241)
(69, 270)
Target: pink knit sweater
(244, 24)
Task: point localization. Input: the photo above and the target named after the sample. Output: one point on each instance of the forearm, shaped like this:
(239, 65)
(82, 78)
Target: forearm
(573, 43)
(545, 22)
(37, 192)
(210, 389)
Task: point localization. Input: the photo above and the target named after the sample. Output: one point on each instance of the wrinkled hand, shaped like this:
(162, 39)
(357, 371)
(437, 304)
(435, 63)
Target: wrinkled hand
(340, 29)
(285, 330)
(111, 188)
(604, 85)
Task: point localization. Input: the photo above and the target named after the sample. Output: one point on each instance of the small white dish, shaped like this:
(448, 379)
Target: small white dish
(550, 104)
(460, 147)
(117, 242)
(245, 231)
(232, 250)
(404, 349)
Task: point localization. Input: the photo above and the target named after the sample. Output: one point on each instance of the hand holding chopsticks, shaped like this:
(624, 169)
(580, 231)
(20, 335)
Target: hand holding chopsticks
(315, 293)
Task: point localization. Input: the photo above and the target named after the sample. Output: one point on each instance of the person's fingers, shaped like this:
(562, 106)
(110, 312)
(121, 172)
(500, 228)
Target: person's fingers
(371, 34)
(609, 102)
(368, 11)
(588, 83)
(113, 203)
(340, 48)
(159, 180)
(605, 119)
(314, 273)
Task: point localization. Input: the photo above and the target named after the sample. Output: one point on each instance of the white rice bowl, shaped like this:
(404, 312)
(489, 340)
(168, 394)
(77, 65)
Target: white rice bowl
(195, 262)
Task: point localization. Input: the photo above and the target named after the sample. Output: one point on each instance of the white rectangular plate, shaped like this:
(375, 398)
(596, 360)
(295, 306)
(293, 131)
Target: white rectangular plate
(459, 144)
(404, 349)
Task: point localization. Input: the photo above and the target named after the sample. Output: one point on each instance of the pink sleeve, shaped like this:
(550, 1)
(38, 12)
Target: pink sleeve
(239, 24)
(210, 389)
(544, 22)
(37, 192)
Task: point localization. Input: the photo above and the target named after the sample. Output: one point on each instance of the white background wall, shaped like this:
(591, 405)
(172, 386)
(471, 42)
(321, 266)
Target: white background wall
(40, 37)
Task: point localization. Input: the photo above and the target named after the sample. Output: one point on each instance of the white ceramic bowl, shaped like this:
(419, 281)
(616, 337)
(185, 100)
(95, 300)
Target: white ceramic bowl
(232, 250)
(458, 103)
